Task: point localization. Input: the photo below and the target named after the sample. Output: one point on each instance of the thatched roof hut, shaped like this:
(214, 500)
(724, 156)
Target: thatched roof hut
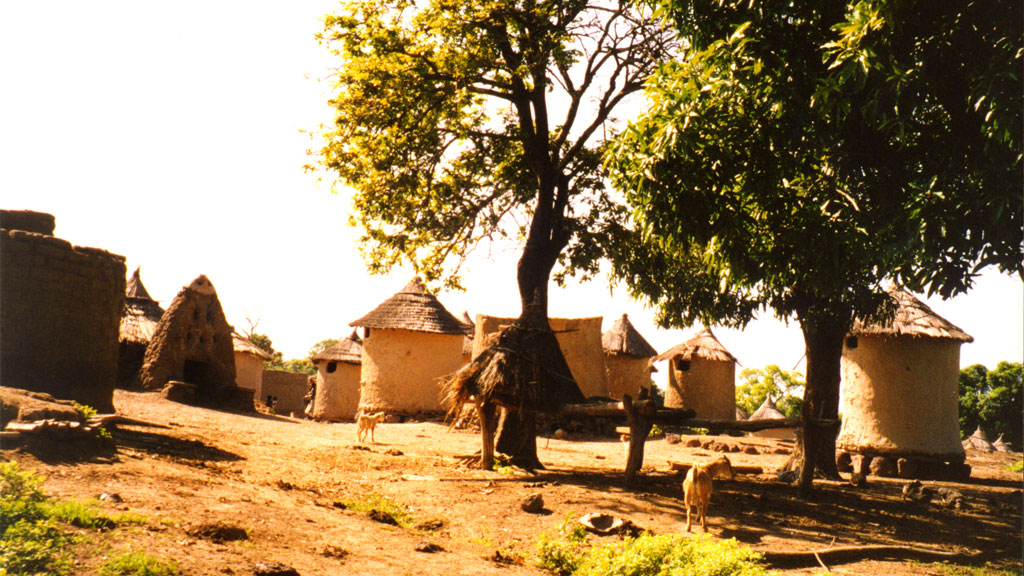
(978, 441)
(900, 382)
(337, 380)
(138, 324)
(769, 411)
(702, 377)
(627, 359)
(1000, 445)
(249, 361)
(193, 344)
(411, 342)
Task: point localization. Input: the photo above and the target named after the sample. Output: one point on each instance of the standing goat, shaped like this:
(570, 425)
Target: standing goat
(697, 487)
(367, 423)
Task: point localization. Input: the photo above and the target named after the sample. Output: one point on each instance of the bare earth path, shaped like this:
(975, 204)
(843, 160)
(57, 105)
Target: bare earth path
(283, 480)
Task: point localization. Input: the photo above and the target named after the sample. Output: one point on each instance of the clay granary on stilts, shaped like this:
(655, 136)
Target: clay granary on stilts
(141, 316)
(899, 394)
(701, 377)
(410, 343)
(337, 380)
(628, 359)
(193, 348)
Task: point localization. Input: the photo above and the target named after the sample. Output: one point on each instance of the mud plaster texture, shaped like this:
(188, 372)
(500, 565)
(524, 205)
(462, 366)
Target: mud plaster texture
(193, 344)
(287, 388)
(402, 370)
(626, 375)
(708, 387)
(60, 316)
(337, 392)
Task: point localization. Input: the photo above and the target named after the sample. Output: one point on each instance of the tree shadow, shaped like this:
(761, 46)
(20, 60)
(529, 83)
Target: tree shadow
(156, 444)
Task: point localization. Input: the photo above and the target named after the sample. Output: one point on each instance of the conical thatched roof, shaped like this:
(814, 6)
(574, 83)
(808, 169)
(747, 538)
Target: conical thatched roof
(767, 411)
(1000, 445)
(979, 441)
(412, 308)
(741, 414)
(244, 345)
(702, 345)
(467, 344)
(349, 350)
(624, 340)
(141, 313)
(912, 318)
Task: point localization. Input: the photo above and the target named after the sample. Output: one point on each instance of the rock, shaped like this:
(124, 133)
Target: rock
(672, 438)
(382, 517)
(393, 419)
(273, 569)
(917, 492)
(534, 504)
(949, 497)
(561, 434)
(693, 443)
(394, 452)
(751, 450)
(719, 447)
(884, 466)
(111, 497)
(782, 450)
(430, 525)
(332, 551)
(857, 479)
(788, 476)
(219, 532)
(428, 547)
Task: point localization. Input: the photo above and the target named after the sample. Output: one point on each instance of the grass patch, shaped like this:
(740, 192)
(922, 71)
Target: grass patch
(138, 563)
(951, 570)
(88, 514)
(567, 553)
(1018, 467)
(379, 506)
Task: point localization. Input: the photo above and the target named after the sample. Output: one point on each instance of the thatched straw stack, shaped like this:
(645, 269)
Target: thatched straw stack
(337, 380)
(138, 324)
(411, 342)
(249, 359)
(627, 359)
(1000, 445)
(900, 382)
(702, 377)
(979, 441)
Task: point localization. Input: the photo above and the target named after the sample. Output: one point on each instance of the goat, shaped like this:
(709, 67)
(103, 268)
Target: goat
(367, 423)
(697, 487)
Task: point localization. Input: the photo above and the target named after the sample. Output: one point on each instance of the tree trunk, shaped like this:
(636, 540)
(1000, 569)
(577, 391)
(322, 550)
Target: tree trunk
(823, 339)
(517, 438)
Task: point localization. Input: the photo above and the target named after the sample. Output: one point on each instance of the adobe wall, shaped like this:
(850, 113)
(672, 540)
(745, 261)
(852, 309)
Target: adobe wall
(288, 387)
(60, 316)
(626, 375)
(337, 393)
(708, 388)
(900, 398)
(402, 370)
(248, 371)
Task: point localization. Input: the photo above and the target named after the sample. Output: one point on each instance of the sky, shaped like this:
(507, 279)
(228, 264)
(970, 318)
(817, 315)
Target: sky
(176, 135)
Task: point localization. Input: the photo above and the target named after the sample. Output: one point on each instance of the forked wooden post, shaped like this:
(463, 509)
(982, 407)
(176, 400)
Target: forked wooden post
(638, 417)
(487, 412)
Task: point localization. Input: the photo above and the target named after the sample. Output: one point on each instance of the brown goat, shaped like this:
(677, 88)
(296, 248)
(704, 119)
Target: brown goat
(697, 487)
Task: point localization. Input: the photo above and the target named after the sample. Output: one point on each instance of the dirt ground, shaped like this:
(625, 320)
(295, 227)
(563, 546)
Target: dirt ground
(283, 480)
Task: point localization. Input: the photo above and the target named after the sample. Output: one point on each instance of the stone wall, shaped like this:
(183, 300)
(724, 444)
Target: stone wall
(60, 315)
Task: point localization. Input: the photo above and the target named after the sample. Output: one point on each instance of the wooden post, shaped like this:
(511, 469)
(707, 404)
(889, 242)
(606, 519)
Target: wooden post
(639, 427)
(487, 413)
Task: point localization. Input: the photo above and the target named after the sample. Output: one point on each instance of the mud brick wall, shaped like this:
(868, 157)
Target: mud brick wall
(288, 387)
(59, 317)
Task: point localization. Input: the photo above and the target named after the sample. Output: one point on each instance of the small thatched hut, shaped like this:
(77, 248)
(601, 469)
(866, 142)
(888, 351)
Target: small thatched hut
(193, 344)
(900, 382)
(578, 338)
(1000, 445)
(337, 380)
(702, 377)
(769, 411)
(249, 359)
(628, 359)
(411, 341)
(138, 324)
(979, 441)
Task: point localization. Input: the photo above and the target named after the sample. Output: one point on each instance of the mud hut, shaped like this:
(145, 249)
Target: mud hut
(900, 380)
(769, 411)
(193, 344)
(249, 361)
(410, 342)
(337, 380)
(628, 359)
(701, 377)
(578, 338)
(979, 441)
(138, 324)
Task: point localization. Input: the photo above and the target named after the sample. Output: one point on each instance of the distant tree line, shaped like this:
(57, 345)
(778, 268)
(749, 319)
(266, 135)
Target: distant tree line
(993, 399)
(277, 361)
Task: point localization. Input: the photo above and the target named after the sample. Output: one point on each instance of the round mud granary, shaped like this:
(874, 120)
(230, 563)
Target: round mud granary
(193, 344)
(900, 382)
(628, 359)
(337, 380)
(702, 377)
(411, 342)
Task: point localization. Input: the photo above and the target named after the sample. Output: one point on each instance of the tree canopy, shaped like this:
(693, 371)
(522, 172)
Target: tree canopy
(757, 384)
(801, 155)
(994, 400)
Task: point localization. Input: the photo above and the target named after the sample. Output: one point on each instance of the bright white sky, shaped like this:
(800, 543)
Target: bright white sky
(170, 134)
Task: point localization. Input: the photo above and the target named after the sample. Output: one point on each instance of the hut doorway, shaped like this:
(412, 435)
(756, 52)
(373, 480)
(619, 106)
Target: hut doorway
(201, 374)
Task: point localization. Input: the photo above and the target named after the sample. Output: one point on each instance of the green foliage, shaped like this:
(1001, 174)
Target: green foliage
(954, 570)
(85, 412)
(646, 555)
(1018, 467)
(655, 431)
(138, 563)
(21, 496)
(379, 504)
(34, 548)
(303, 365)
(784, 386)
(994, 400)
(321, 346)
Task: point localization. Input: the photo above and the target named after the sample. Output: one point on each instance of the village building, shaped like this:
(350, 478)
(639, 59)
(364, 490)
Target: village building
(193, 347)
(138, 324)
(467, 342)
(900, 380)
(249, 362)
(769, 411)
(410, 343)
(701, 377)
(578, 338)
(979, 441)
(284, 391)
(61, 312)
(628, 359)
(337, 380)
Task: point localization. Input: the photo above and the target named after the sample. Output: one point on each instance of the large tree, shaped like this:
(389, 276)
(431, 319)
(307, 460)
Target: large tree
(800, 155)
(464, 121)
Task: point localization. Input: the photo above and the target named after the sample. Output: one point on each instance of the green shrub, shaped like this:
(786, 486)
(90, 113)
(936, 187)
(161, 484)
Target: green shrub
(138, 563)
(34, 548)
(562, 552)
(1018, 467)
(378, 504)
